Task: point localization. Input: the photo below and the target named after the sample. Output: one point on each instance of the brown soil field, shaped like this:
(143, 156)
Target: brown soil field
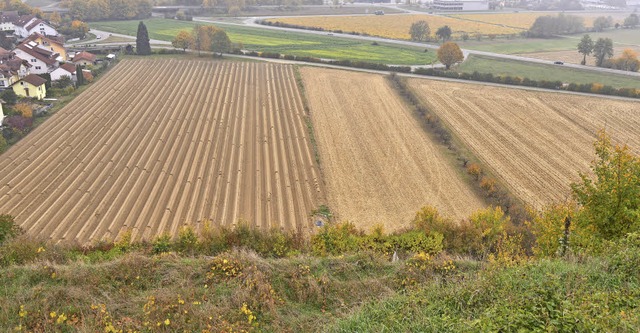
(536, 142)
(157, 144)
(379, 165)
(573, 57)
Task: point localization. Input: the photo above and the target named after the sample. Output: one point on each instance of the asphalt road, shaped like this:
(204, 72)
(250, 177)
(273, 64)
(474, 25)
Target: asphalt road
(250, 21)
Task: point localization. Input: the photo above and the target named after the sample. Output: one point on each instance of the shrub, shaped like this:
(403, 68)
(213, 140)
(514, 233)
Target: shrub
(335, 239)
(8, 228)
(625, 257)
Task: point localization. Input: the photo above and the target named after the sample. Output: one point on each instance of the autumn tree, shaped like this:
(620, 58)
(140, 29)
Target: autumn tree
(444, 33)
(24, 109)
(220, 42)
(611, 200)
(201, 38)
(449, 53)
(585, 47)
(142, 40)
(628, 61)
(420, 31)
(183, 40)
(55, 18)
(602, 50)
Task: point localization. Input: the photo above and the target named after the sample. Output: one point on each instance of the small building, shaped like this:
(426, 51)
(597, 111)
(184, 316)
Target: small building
(11, 71)
(64, 70)
(31, 86)
(84, 59)
(42, 59)
(460, 5)
(7, 19)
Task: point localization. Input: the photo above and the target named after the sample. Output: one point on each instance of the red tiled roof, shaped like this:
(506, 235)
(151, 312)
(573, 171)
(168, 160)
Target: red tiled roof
(44, 55)
(34, 24)
(84, 55)
(68, 67)
(23, 20)
(34, 36)
(34, 80)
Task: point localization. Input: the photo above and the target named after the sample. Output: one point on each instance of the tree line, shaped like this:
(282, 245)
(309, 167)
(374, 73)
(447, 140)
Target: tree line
(602, 50)
(95, 10)
(207, 38)
(550, 26)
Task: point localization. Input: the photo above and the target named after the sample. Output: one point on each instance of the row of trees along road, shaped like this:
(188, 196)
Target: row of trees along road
(203, 38)
(421, 32)
(602, 50)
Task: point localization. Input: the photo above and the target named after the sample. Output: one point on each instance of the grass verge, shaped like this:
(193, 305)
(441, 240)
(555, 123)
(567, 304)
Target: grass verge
(293, 43)
(540, 72)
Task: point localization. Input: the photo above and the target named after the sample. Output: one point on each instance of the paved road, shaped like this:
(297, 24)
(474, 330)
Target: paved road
(101, 36)
(250, 21)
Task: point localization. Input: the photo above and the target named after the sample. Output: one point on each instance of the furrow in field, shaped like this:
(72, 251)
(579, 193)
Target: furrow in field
(155, 145)
(536, 142)
(379, 164)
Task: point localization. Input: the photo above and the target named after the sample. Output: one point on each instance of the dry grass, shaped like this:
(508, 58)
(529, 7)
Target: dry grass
(396, 26)
(379, 164)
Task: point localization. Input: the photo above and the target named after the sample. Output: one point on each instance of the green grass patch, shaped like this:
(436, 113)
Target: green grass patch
(544, 72)
(620, 37)
(285, 42)
(543, 296)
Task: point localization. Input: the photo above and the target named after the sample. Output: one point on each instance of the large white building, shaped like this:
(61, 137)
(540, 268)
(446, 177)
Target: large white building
(460, 5)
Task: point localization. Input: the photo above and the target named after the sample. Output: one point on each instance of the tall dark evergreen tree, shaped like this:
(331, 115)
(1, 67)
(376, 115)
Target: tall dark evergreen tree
(79, 76)
(142, 40)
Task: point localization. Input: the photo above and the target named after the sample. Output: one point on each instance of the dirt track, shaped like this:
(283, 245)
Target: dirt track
(157, 144)
(380, 166)
(537, 142)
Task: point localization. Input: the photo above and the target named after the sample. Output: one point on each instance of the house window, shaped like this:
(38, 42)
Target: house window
(34, 60)
(1, 83)
(38, 67)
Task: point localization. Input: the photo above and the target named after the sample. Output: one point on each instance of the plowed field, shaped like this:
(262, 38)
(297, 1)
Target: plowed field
(379, 165)
(156, 144)
(537, 142)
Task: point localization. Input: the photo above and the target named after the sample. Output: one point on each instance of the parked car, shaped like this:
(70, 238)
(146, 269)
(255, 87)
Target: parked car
(558, 63)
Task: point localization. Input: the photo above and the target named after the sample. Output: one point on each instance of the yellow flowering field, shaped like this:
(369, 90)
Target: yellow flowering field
(395, 26)
(525, 20)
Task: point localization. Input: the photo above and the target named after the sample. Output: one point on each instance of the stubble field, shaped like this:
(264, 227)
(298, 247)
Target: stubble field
(379, 165)
(157, 144)
(536, 142)
(396, 26)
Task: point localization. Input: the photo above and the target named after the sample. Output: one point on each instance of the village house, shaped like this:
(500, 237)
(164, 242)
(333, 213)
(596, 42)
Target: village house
(84, 59)
(53, 44)
(39, 57)
(31, 86)
(12, 68)
(64, 70)
(29, 24)
(7, 19)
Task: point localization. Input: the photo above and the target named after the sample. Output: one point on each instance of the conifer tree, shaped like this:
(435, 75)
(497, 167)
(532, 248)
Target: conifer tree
(142, 40)
(79, 76)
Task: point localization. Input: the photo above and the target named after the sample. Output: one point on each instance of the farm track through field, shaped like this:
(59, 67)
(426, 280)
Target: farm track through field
(537, 142)
(379, 165)
(155, 145)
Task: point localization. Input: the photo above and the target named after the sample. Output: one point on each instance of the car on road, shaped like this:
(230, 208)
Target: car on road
(558, 63)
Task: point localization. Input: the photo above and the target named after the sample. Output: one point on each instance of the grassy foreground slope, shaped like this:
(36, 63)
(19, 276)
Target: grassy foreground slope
(242, 292)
